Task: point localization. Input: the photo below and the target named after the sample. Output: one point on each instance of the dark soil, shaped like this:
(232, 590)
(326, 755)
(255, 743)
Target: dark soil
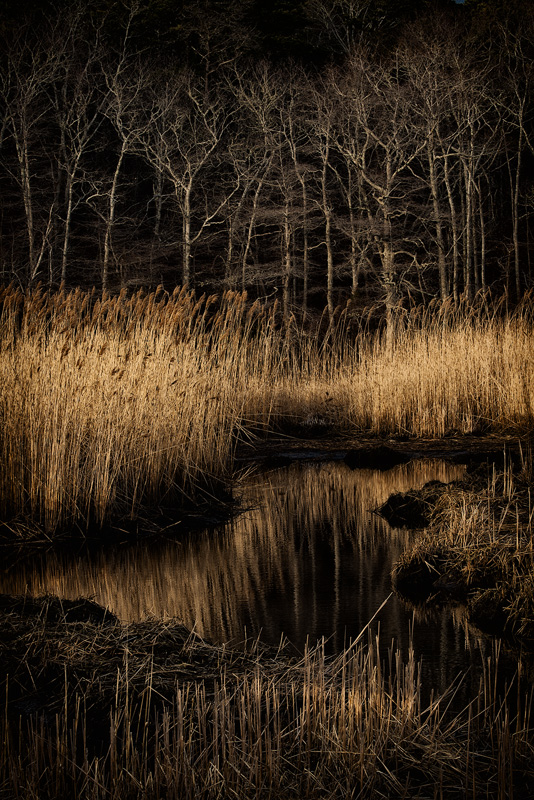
(412, 509)
(373, 452)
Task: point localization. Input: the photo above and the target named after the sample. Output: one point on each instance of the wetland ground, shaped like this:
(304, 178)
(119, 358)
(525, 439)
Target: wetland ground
(119, 413)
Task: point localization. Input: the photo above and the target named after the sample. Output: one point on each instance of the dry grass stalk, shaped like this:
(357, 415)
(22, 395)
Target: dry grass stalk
(480, 548)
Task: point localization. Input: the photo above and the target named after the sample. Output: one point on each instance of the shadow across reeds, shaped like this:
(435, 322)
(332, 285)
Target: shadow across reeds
(111, 404)
(95, 709)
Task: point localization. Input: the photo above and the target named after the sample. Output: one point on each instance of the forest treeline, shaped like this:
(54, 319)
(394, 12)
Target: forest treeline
(314, 152)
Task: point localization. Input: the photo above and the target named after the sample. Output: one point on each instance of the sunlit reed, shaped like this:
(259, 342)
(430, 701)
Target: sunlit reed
(109, 404)
(480, 543)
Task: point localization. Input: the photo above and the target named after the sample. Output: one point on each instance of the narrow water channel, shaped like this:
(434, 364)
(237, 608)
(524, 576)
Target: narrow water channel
(307, 559)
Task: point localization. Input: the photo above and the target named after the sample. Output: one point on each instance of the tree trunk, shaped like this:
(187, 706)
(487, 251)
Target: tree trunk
(442, 266)
(286, 257)
(66, 231)
(353, 260)
(186, 237)
(515, 216)
(482, 239)
(468, 206)
(328, 238)
(251, 223)
(305, 251)
(21, 145)
(108, 239)
(454, 230)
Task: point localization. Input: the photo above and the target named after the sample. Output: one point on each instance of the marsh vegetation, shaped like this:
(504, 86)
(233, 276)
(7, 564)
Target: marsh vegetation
(111, 404)
(371, 159)
(104, 710)
(479, 549)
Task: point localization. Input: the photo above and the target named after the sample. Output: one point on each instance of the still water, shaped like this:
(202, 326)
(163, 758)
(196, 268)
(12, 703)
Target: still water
(307, 559)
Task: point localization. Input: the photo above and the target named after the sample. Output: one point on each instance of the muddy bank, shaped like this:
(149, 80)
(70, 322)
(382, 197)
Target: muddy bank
(461, 447)
(53, 649)
(19, 537)
(478, 548)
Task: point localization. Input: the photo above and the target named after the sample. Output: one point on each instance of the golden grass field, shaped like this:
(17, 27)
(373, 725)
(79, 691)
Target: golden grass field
(109, 404)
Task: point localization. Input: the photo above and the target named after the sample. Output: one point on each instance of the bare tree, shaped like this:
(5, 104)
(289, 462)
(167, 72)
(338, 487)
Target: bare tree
(294, 112)
(323, 112)
(513, 100)
(450, 114)
(470, 111)
(178, 130)
(352, 219)
(384, 151)
(30, 70)
(258, 95)
(123, 84)
(342, 22)
(426, 57)
(78, 108)
(217, 36)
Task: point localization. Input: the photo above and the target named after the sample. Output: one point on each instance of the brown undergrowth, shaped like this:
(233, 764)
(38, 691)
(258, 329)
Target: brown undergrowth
(479, 548)
(96, 709)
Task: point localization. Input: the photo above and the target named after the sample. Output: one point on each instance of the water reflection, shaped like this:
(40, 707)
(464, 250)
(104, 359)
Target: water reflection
(309, 559)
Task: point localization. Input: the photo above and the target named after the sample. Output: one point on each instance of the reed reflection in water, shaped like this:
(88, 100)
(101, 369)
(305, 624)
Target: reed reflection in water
(308, 559)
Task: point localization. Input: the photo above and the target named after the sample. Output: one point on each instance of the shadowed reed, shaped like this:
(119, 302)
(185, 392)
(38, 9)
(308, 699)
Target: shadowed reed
(109, 404)
(99, 710)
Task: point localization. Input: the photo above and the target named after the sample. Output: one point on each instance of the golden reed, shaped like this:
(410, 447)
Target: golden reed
(148, 712)
(109, 403)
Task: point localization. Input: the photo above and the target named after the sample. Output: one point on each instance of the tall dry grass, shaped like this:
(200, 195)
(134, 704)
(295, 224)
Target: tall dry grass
(109, 403)
(443, 370)
(133, 721)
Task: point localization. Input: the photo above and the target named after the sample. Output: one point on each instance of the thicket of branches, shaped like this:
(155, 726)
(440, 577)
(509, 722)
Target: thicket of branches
(394, 164)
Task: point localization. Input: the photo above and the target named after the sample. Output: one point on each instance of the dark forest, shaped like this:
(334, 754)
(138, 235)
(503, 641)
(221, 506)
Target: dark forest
(316, 152)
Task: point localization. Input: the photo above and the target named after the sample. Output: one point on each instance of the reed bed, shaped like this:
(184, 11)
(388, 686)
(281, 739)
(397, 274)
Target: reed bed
(440, 371)
(101, 710)
(109, 404)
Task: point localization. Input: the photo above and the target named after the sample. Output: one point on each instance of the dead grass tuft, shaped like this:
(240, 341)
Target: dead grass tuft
(149, 710)
(479, 548)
